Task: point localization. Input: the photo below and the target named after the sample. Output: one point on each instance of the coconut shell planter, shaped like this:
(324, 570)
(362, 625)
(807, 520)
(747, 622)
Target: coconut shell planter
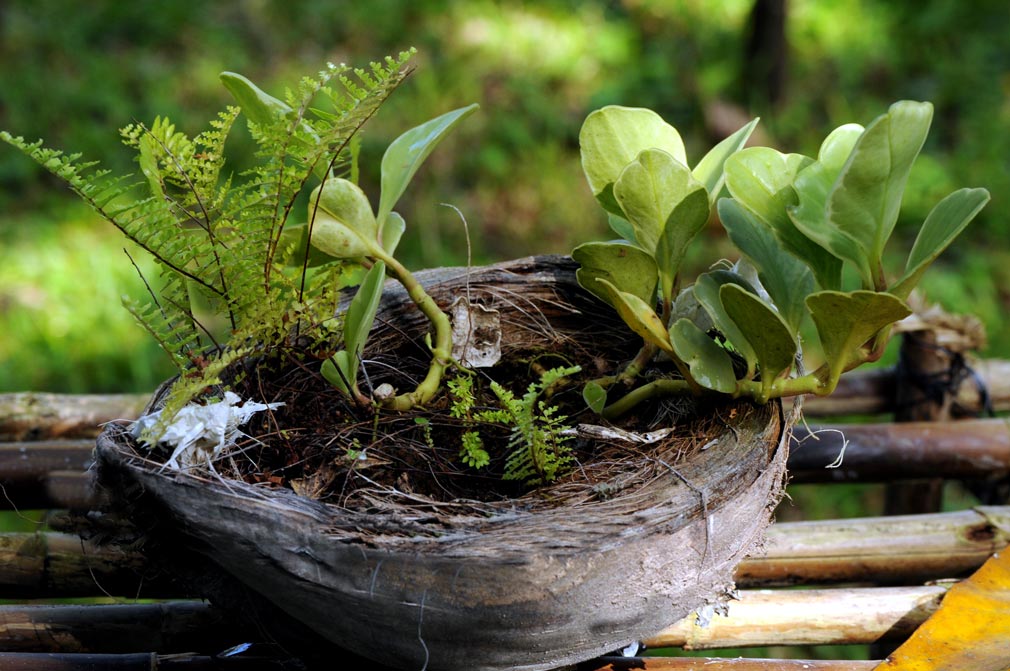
(635, 537)
(521, 466)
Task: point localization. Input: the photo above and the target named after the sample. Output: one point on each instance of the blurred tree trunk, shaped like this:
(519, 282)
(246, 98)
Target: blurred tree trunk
(765, 55)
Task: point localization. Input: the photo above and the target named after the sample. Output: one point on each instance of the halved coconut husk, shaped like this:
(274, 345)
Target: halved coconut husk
(516, 584)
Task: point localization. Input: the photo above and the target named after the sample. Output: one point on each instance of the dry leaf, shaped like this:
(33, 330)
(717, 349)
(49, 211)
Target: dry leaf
(970, 631)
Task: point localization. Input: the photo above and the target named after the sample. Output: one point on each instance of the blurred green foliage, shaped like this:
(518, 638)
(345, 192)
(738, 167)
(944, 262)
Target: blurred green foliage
(74, 77)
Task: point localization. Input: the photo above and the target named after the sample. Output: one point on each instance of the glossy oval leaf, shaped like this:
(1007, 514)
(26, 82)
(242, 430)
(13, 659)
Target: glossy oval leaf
(261, 107)
(846, 321)
(787, 279)
(867, 197)
(342, 221)
(360, 313)
(625, 267)
(621, 226)
(294, 243)
(813, 185)
(406, 153)
(639, 316)
(648, 189)
(337, 371)
(612, 137)
(706, 290)
(391, 232)
(710, 170)
(710, 365)
(764, 329)
(595, 397)
(761, 179)
(944, 223)
(682, 226)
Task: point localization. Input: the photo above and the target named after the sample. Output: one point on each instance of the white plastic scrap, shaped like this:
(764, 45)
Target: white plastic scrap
(200, 434)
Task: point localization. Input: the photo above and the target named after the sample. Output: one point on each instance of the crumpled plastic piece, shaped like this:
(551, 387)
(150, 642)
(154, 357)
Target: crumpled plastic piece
(199, 434)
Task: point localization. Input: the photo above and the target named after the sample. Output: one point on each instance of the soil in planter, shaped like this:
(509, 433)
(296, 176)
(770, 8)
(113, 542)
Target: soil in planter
(325, 447)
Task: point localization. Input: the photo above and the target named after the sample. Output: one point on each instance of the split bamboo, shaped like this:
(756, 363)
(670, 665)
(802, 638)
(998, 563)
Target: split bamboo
(43, 416)
(719, 664)
(807, 617)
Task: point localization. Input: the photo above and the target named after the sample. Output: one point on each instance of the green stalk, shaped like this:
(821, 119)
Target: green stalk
(442, 349)
(783, 387)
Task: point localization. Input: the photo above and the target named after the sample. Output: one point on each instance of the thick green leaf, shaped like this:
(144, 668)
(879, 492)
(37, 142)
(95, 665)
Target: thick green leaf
(261, 107)
(685, 222)
(706, 290)
(761, 179)
(845, 321)
(295, 238)
(337, 369)
(813, 185)
(343, 224)
(711, 366)
(612, 137)
(391, 232)
(648, 189)
(639, 316)
(787, 279)
(710, 169)
(867, 197)
(950, 216)
(625, 267)
(764, 329)
(666, 206)
(595, 397)
(406, 154)
(621, 226)
(361, 312)
(838, 145)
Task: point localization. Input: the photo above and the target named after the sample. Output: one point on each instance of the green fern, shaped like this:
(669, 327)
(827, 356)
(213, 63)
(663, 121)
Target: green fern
(540, 450)
(225, 241)
(472, 450)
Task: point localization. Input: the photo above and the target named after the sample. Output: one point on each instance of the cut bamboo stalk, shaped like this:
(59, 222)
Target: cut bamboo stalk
(46, 474)
(807, 617)
(870, 392)
(183, 626)
(967, 449)
(720, 664)
(908, 549)
(41, 416)
(16, 661)
(56, 565)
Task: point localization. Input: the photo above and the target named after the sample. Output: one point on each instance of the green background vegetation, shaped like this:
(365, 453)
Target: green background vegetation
(537, 69)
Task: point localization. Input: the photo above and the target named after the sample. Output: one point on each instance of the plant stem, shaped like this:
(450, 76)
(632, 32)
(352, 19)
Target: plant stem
(442, 349)
(794, 386)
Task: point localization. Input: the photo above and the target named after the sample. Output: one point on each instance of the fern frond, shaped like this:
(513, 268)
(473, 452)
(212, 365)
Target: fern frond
(539, 446)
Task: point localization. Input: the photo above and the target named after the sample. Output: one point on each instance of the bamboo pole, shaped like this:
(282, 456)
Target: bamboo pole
(182, 626)
(909, 549)
(870, 392)
(41, 416)
(807, 617)
(15, 661)
(56, 565)
(46, 474)
(975, 448)
(720, 664)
